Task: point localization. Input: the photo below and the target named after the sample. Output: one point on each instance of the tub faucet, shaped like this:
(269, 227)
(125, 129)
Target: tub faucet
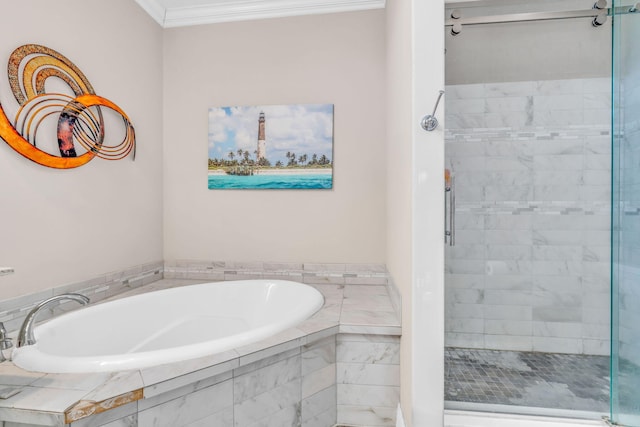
(25, 336)
(5, 342)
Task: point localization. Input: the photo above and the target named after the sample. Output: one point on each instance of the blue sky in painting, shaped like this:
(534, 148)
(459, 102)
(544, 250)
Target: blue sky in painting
(300, 128)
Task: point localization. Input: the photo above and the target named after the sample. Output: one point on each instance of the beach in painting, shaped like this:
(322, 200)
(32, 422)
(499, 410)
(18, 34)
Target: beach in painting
(274, 179)
(310, 171)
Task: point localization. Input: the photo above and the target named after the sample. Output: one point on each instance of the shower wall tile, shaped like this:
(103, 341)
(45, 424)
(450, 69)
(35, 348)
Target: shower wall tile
(465, 326)
(465, 120)
(563, 253)
(504, 120)
(597, 85)
(555, 87)
(455, 339)
(465, 91)
(570, 101)
(508, 237)
(467, 105)
(509, 89)
(508, 312)
(557, 314)
(557, 329)
(532, 172)
(470, 252)
(509, 282)
(465, 311)
(507, 297)
(597, 100)
(558, 118)
(510, 105)
(572, 284)
(509, 342)
(596, 346)
(507, 327)
(597, 116)
(508, 252)
(465, 281)
(558, 345)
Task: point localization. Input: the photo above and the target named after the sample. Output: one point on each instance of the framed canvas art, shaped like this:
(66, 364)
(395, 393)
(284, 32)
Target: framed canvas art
(271, 147)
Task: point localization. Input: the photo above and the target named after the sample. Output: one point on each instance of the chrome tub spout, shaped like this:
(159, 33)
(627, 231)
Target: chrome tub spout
(5, 342)
(25, 336)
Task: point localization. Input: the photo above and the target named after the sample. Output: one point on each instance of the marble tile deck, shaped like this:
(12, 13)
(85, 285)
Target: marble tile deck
(60, 399)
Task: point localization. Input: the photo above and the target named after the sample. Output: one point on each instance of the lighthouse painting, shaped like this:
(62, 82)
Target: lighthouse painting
(271, 147)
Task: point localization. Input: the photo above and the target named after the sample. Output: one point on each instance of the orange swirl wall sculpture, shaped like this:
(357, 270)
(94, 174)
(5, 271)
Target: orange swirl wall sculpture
(79, 119)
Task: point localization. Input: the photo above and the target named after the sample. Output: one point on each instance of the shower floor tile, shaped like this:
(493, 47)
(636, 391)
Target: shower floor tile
(545, 380)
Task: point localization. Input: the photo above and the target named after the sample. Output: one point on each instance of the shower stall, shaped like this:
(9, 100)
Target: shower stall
(542, 147)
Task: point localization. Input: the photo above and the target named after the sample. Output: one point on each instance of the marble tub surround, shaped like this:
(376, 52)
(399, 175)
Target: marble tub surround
(140, 397)
(310, 273)
(368, 379)
(99, 288)
(369, 274)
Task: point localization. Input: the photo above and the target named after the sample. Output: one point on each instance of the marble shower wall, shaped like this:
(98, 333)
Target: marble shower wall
(530, 268)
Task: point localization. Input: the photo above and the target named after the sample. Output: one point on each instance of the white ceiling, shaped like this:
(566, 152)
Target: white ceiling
(178, 13)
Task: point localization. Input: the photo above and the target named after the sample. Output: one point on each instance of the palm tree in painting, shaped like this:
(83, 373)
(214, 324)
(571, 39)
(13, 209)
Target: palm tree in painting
(303, 159)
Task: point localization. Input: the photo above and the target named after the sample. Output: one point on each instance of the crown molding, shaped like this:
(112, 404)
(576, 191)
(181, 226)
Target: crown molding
(245, 10)
(154, 9)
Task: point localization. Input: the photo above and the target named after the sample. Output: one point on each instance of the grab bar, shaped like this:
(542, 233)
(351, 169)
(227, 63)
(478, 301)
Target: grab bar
(450, 214)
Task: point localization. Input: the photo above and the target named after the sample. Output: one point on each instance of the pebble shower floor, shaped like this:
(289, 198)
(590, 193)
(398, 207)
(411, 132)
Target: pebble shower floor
(546, 380)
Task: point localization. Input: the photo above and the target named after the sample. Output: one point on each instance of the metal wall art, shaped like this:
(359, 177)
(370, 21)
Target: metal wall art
(80, 119)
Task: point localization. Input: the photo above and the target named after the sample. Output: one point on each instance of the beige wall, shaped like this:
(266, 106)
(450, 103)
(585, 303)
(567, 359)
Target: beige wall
(338, 59)
(62, 226)
(399, 177)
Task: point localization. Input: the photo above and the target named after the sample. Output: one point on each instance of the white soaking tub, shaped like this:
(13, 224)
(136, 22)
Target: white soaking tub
(167, 326)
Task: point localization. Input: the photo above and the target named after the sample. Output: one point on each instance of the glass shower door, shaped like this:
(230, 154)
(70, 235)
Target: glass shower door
(625, 237)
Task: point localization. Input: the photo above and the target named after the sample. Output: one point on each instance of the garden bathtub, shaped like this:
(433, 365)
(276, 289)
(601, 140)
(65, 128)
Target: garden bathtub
(167, 326)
